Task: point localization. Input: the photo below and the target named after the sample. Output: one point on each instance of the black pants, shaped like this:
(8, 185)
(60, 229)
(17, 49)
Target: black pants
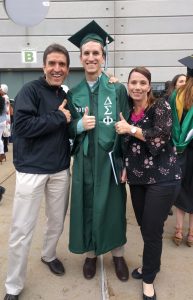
(151, 204)
(5, 142)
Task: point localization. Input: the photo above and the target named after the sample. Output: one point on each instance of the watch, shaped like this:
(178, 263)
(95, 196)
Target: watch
(133, 130)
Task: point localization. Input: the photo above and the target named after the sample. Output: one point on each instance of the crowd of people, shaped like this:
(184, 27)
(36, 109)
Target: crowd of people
(5, 122)
(152, 137)
(5, 125)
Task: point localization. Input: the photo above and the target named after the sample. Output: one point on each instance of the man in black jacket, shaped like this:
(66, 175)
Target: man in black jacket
(41, 155)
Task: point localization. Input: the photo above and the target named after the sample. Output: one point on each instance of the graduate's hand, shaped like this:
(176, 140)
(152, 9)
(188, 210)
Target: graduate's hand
(124, 176)
(88, 122)
(66, 112)
(122, 126)
(113, 79)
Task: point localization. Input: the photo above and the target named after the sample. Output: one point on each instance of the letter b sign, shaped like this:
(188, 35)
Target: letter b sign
(29, 56)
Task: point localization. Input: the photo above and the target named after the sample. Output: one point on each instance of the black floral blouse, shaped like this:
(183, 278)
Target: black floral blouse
(152, 161)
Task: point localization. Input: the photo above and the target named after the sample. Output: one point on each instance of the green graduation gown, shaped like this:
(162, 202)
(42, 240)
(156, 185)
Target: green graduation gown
(98, 205)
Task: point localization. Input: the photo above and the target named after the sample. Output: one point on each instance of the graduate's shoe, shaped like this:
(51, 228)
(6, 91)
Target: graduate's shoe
(55, 266)
(2, 191)
(121, 268)
(137, 273)
(89, 267)
(11, 297)
(153, 297)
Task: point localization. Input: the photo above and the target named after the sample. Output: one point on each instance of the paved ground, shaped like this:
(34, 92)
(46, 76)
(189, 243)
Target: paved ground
(174, 282)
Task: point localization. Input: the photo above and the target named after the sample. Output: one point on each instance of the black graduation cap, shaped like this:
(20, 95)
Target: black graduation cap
(188, 62)
(91, 32)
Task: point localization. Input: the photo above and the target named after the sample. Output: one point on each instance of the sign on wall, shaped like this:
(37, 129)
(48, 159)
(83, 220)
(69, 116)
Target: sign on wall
(29, 56)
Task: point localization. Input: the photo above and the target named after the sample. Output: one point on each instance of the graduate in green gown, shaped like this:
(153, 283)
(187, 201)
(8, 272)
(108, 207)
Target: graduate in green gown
(182, 135)
(98, 204)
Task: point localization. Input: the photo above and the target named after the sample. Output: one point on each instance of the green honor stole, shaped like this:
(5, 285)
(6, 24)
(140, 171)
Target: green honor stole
(180, 132)
(106, 110)
(106, 113)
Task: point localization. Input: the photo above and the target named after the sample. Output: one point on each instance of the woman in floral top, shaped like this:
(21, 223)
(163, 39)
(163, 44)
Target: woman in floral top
(151, 170)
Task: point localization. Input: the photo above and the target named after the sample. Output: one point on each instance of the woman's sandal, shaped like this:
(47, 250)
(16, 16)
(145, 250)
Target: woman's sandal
(178, 236)
(189, 241)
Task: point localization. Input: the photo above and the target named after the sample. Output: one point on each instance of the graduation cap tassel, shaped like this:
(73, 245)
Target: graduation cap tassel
(107, 54)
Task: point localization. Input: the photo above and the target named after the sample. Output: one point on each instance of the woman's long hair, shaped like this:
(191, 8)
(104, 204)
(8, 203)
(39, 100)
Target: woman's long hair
(187, 91)
(145, 72)
(2, 104)
(172, 86)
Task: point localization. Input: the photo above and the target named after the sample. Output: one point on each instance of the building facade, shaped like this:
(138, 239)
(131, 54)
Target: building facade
(152, 33)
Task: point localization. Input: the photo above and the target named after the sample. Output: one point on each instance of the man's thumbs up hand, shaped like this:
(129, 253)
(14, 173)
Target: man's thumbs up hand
(88, 122)
(86, 111)
(66, 112)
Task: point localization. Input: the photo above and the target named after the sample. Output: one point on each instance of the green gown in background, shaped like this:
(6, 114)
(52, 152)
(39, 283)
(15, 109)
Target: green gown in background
(98, 205)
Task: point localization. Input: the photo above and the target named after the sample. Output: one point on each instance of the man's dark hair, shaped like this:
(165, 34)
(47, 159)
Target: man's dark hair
(56, 48)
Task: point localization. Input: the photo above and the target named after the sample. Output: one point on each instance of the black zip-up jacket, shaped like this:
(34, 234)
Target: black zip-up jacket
(40, 130)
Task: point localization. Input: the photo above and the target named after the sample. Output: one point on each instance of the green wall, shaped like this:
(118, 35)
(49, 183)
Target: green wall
(16, 79)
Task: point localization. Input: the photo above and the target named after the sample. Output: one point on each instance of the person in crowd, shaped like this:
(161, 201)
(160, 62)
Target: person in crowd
(151, 169)
(6, 132)
(98, 205)
(41, 155)
(2, 191)
(11, 118)
(2, 126)
(177, 81)
(182, 133)
(165, 93)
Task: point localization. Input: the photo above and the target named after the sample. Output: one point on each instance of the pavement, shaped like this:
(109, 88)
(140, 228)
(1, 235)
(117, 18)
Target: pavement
(174, 282)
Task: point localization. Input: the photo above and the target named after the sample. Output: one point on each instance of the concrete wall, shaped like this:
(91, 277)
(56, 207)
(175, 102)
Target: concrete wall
(154, 33)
